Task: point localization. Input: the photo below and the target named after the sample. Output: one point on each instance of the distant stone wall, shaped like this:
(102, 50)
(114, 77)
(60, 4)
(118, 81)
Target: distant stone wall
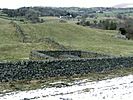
(21, 34)
(44, 55)
(36, 55)
(28, 70)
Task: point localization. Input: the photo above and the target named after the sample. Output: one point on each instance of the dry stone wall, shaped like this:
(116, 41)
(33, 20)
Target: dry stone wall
(28, 70)
(74, 54)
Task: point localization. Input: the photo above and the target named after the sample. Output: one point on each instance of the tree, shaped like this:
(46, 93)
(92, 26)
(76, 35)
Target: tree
(119, 16)
(123, 31)
(32, 15)
(82, 22)
(95, 22)
(87, 23)
(113, 25)
(126, 28)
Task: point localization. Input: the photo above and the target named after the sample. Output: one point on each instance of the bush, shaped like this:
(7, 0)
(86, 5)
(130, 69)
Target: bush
(126, 28)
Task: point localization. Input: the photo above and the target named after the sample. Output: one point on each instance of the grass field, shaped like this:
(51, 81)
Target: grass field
(11, 48)
(67, 34)
(82, 38)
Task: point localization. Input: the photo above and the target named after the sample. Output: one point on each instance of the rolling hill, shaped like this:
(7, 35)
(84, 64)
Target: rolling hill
(124, 5)
(55, 35)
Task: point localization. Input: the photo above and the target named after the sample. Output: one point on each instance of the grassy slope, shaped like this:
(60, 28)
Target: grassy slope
(10, 46)
(68, 34)
(79, 37)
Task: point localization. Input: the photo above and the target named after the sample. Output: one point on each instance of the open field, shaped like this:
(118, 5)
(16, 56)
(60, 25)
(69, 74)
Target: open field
(67, 34)
(52, 35)
(82, 38)
(64, 76)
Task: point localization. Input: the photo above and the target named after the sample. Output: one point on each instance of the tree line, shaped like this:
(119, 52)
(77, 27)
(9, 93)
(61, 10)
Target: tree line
(33, 13)
(106, 24)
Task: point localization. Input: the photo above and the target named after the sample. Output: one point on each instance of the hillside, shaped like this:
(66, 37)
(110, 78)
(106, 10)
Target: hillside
(11, 48)
(52, 35)
(124, 5)
(79, 37)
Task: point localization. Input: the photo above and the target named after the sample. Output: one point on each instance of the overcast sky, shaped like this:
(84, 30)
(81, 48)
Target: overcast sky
(61, 3)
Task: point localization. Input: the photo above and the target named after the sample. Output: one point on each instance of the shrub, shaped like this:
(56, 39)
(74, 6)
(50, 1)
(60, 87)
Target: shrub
(126, 28)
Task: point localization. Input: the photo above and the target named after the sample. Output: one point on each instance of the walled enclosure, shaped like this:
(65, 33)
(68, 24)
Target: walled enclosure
(54, 66)
(73, 54)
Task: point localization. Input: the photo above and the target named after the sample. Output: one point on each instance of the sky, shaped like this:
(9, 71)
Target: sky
(61, 3)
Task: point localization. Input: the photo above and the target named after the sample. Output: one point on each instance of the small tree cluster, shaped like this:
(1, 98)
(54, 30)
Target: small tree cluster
(121, 16)
(33, 16)
(102, 24)
(107, 24)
